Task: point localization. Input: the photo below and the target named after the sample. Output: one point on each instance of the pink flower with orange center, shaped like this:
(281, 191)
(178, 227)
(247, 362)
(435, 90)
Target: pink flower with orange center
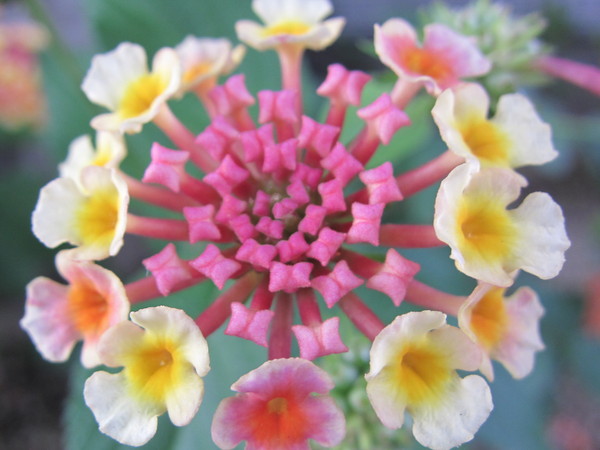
(277, 408)
(58, 316)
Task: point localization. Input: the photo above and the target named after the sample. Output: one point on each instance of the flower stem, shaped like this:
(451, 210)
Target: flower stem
(280, 341)
(582, 75)
(408, 236)
(214, 316)
(308, 307)
(146, 289)
(423, 295)
(363, 318)
(167, 229)
(428, 174)
(157, 196)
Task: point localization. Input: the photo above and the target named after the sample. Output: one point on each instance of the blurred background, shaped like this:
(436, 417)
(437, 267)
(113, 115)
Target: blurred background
(42, 110)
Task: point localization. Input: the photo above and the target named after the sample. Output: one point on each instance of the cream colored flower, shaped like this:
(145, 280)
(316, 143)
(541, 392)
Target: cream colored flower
(294, 22)
(120, 81)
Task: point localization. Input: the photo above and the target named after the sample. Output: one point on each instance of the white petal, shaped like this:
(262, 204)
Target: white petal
(184, 401)
(458, 418)
(81, 154)
(544, 238)
(118, 414)
(531, 138)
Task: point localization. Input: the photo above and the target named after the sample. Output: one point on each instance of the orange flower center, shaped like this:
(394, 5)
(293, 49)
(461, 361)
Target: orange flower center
(88, 308)
(489, 318)
(422, 62)
(281, 422)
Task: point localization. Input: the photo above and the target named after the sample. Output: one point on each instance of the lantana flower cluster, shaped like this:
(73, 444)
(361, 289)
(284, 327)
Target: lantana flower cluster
(273, 219)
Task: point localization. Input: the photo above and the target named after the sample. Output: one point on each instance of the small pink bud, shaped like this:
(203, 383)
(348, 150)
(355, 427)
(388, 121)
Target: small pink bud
(227, 176)
(284, 207)
(332, 196)
(270, 227)
(316, 136)
(313, 219)
(366, 223)
(326, 246)
(249, 324)
(278, 106)
(394, 276)
(381, 184)
(293, 248)
(384, 118)
(321, 340)
(289, 278)
(342, 164)
(167, 269)
(255, 141)
(297, 192)
(217, 138)
(280, 156)
(231, 96)
(243, 227)
(212, 264)
(310, 176)
(256, 254)
(262, 204)
(343, 86)
(201, 224)
(166, 167)
(337, 283)
(231, 207)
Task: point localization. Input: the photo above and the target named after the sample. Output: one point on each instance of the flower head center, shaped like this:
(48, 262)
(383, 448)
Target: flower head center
(140, 94)
(88, 308)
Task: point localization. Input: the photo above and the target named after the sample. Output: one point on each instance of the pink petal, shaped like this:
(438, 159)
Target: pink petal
(255, 141)
(381, 184)
(249, 324)
(212, 264)
(337, 283)
(166, 167)
(293, 248)
(343, 86)
(231, 207)
(256, 254)
(312, 220)
(332, 196)
(227, 176)
(366, 223)
(232, 96)
(342, 164)
(278, 106)
(270, 227)
(289, 278)
(243, 227)
(201, 224)
(321, 340)
(310, 176)
(316, 136)
(326, 245)
(384, 118)
(217, 138)
(167, 269)
(394, 276)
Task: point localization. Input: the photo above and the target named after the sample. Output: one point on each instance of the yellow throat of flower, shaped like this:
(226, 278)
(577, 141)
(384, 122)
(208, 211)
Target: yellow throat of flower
(421, 373)
(140, 94)
(154, 370)
(485, 229)
(97, 217)
(486, 141)
(489, 318)
(292, 27)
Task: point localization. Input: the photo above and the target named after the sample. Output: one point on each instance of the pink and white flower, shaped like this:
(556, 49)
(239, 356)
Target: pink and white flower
(413, 369)
(276, 408)
(58, 316)
(507, 329)
(444, 58)
(164, 357)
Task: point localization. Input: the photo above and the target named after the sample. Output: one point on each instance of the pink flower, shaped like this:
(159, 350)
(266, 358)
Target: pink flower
(276, 408)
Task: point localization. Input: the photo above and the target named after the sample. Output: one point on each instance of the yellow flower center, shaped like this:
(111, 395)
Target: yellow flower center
(140, 94)
(421, 373)
(197, 71)
(486, 141)
(154, 369)
(485, 228)
(422, 62)
(97, 217)
(489, 318)
(88, 308)
(292, 27)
